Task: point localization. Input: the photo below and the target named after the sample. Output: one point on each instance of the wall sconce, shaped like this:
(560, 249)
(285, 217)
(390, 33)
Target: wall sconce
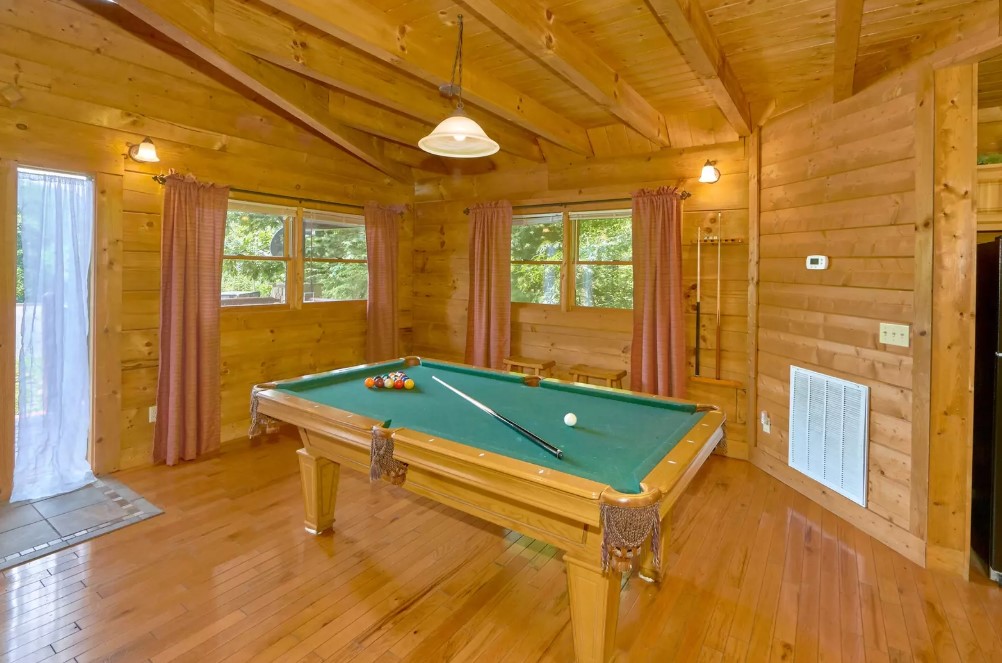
(709, 174)
(145, 152)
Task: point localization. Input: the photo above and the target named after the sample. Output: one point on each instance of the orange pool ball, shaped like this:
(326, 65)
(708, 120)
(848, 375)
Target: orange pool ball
(369, 382)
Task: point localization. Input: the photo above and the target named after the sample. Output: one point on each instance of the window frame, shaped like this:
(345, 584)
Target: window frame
(562, 263)
(304, 259)
(568, 265)
(295, 258)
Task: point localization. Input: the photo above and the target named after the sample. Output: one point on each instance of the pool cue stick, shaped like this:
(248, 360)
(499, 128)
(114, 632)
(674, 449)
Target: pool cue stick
(511, 424)
(719, 242)
(699, 268)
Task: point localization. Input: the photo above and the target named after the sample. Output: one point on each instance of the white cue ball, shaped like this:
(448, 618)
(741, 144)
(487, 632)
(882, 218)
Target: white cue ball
(570, 419)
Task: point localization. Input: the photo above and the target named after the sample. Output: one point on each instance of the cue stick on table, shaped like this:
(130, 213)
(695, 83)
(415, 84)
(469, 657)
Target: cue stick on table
(511, 424)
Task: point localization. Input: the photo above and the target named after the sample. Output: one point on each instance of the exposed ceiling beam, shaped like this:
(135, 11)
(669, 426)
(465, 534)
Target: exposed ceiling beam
(305, 100)
(372, 32)
(536, 30)
(286, 42)
(688, 27)
(848, 23)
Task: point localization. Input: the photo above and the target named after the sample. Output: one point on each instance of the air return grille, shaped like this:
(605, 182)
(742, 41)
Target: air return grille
(828, 431)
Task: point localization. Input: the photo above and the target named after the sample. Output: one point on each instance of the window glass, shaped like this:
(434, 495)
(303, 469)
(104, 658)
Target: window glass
(537, 254)
(603, 271)
(255, 258)
(335, 262)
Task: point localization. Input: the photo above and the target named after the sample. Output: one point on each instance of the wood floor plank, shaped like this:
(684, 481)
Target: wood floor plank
(755, 572)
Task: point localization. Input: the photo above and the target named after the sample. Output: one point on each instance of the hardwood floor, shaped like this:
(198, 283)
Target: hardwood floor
(757, 573)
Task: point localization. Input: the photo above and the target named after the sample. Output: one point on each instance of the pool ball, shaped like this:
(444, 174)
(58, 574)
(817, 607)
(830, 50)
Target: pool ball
(408, 384)
(369, 382)
(570, 419)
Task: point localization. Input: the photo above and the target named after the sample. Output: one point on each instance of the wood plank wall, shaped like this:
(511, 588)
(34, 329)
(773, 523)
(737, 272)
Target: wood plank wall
(599, 337)
(840, 180)
(989, 198)
(76, 113)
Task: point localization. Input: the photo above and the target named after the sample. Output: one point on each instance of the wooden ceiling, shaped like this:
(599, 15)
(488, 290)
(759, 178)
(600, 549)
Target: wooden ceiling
(584, 76)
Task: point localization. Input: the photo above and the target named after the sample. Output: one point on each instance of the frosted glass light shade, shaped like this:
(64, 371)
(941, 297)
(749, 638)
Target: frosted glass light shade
(145, 152)
(709, 174)
(459, 137)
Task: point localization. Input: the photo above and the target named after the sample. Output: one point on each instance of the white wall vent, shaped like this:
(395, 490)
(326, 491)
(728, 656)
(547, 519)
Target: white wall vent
(829, 421)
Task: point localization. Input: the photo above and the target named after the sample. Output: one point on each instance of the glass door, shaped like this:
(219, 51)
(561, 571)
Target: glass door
(55, 236)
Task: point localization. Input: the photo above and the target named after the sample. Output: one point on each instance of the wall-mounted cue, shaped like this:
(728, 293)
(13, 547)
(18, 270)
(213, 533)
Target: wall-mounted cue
(699, 272)
(511, 424)
(719, 242)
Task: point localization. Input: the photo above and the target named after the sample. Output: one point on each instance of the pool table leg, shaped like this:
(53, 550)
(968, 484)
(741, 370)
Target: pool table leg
(647, 568)
(320, 478)
(594, 599)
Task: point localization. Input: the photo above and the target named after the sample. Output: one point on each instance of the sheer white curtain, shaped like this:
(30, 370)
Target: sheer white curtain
(54, 405)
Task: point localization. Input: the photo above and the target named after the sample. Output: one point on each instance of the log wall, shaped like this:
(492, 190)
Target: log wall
(88, 89)
(843, 180)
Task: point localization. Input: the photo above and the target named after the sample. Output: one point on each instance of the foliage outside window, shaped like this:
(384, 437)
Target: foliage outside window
(595, 270)
(334, 257)
(255, 255)
(603, 261)
(537, 254)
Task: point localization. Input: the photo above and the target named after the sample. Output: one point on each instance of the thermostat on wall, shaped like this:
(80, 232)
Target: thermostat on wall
(817, 262)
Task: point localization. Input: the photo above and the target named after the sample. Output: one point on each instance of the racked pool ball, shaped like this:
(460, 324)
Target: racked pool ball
(408, 384)
(377, 382)
(369, 382)
(398, 384)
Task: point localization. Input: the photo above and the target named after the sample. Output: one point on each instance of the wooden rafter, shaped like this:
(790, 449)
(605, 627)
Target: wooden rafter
(305, 100)
(286, 42)
(848, 22)
(688, 27)
(536, 30)
(371, 32)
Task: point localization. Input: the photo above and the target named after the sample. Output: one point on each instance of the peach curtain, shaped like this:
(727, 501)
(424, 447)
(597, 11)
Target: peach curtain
(188, 397)
(381, 224)
(658, 356)
(488, 318)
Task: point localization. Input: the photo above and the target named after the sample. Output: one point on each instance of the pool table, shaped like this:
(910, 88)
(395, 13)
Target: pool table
(607, 503)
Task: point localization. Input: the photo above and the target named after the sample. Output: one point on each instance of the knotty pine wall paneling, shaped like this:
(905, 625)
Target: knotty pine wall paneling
(599, 337)
(840, 180)
(75, 114)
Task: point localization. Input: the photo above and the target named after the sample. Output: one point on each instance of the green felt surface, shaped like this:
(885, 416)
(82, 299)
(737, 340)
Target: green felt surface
(619, 438)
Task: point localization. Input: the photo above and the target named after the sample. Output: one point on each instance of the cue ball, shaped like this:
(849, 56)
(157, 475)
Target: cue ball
(570, 419)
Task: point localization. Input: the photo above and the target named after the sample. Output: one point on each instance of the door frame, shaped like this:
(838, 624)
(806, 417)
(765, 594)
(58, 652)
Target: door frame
(104, 445)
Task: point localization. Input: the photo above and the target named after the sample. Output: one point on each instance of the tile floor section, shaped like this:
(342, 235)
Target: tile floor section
(29, 530)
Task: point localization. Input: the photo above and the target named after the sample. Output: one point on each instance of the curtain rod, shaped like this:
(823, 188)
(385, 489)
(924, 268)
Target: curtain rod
(161, 179)
(684, 195)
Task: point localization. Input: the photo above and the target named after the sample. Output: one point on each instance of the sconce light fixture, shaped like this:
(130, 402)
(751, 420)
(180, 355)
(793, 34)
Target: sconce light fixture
(709, 174)
(145, 152)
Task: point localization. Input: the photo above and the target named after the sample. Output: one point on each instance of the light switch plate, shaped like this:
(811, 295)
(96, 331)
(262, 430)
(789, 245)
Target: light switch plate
(894, 334)
(153, 414)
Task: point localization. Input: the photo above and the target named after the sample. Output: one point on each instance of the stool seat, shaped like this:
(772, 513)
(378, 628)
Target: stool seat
(613, 377)
(537, 366)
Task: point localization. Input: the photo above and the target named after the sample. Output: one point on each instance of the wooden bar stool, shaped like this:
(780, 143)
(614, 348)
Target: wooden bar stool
(613, 377)
(537, 366)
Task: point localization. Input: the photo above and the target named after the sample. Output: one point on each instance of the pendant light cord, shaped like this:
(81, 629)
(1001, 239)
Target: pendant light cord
(457, 64)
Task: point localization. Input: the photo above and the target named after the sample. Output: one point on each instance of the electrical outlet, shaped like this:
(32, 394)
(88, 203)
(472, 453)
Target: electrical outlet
(153, 414)
(766, 422)
(894, 334)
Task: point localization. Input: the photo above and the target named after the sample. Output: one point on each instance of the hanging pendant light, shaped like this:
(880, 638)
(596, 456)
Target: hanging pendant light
(458, 136)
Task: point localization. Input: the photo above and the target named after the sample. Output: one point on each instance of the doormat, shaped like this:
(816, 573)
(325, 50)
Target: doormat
(33, 529)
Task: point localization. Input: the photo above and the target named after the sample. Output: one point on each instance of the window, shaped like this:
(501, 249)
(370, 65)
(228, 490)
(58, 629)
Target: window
(255, 253)
(261, 266)
(334, 257)
(537, 254)
(573, 258)
(603, 260)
